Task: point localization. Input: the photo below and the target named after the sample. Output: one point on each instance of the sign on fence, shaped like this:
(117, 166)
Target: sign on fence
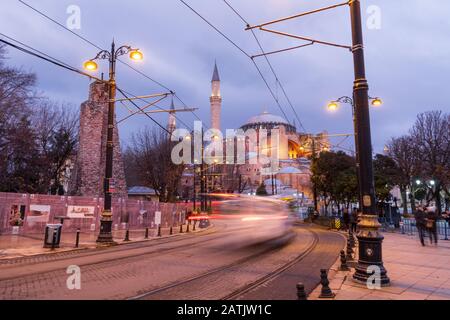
(158, 218)
(81, 212)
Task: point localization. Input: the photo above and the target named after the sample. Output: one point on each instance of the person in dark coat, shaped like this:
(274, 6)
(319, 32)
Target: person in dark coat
(354, 220)
(346, 218)
(432, 218)
(421, 224)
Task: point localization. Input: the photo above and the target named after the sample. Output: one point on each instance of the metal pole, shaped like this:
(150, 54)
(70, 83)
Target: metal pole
(105, 236)
(370, 240)
(77, 240)
(314, 185)
(203, 179)
(195, 189)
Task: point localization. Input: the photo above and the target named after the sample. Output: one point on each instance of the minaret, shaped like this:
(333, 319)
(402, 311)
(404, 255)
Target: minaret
(215, 99)
(172, 125)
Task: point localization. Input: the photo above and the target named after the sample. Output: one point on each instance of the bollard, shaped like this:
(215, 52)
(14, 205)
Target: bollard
(77, 240)
(344, 266)
(352, 239)
(350, 251)
(301, 293)
(171, 230)
(355, 239)
(159, 231)
(326, 292)
(146, 233)
(187, 227)
(181, 228)
(195, 222)
(127, 235)
(445, 230)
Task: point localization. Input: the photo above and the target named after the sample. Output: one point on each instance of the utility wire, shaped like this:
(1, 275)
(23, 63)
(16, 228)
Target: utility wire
(143, 111)
(59, 63)
(45, 57)
(99, 48)
(158, 107)
(243, 52)
(268, 62)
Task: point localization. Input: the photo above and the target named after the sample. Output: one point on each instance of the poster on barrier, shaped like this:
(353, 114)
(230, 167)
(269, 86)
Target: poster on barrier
(81, 212)
(158, 218)
(38, 213)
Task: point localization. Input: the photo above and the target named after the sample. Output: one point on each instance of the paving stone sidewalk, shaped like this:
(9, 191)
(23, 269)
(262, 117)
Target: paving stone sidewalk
(416, 273)
(16, 246)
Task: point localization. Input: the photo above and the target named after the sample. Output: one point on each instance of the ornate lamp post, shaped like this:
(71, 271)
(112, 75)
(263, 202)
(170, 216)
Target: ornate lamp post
(105, 235)
(370, 239)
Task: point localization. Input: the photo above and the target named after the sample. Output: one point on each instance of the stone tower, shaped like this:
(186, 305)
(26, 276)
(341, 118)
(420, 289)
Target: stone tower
(89, 170)
(215, 99)
(172, 124)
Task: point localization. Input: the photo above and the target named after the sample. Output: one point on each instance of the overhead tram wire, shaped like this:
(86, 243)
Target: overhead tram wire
(45, 57)
(142, 110)
(268, 62)
(59, 63)
(99, 48)
(158, 107)
(243, 52)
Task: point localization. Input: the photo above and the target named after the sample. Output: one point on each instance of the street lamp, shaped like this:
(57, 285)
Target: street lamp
(105, 235)
(90, 65)
(370, 239)
(335, 104)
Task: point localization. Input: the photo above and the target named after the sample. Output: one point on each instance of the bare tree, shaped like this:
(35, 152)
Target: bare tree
(56, 128)
(402, 151)
(17, 150)
(431, 135)
(150, 153)
(36, 135)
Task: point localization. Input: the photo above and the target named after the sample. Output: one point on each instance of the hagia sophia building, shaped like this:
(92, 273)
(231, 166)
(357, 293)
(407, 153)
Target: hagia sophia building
(294, 149)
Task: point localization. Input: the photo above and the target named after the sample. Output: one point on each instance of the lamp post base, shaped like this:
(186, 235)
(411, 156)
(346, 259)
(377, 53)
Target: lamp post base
(370, 268)
(105, 237)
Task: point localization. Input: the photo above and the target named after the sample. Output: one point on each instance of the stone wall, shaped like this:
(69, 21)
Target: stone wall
(89, 170)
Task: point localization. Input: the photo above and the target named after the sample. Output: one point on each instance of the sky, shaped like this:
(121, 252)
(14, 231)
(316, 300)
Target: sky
(406, 47)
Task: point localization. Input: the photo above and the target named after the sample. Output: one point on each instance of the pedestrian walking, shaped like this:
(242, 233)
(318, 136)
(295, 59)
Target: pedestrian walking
(420, 216)
(431, 224)
(354, 220)
(346, 218)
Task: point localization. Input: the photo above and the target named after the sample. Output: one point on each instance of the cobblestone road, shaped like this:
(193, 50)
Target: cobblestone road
(250, 248)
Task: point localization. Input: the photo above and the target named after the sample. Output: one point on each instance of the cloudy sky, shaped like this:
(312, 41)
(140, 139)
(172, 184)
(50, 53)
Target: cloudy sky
(407, 58)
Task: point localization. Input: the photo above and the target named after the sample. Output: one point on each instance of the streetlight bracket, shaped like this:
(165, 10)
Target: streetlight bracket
(123, 50)
(102, 55)
(327, 43)
(298, 15)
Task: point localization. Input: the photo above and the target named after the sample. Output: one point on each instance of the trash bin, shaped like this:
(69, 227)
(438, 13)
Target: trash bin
(52, 235)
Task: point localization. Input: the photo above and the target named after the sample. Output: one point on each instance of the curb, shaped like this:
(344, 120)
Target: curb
(5, 260)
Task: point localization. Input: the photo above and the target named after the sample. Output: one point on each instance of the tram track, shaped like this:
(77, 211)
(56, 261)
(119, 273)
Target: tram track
(102, 256)
(203, 277)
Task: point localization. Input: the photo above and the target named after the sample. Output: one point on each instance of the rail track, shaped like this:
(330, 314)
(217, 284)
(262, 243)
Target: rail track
(229, 267)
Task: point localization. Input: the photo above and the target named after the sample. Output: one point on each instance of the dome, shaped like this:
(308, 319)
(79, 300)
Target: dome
(266, 117)
(267, 120)
(289, 170)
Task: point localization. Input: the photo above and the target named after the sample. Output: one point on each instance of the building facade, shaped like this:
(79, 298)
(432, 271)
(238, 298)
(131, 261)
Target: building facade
(293, 152)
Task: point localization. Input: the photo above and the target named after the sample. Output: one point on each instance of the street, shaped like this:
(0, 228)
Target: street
(256, 254)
